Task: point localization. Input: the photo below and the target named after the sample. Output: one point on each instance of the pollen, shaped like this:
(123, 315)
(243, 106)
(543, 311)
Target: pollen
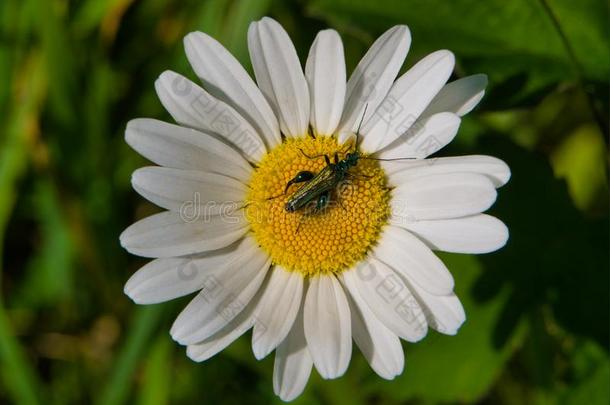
(313, 239)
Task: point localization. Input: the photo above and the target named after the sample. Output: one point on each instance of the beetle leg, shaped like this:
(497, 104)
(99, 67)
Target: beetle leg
(301, 177)
(322, 202)
(312, 157)
(339, 200)
(348, 145)
(358, 176)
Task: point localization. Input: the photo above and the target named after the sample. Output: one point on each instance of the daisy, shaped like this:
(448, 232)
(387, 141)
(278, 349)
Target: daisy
(360, 266)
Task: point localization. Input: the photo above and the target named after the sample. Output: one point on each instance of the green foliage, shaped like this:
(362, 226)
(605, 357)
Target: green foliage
(74, 73)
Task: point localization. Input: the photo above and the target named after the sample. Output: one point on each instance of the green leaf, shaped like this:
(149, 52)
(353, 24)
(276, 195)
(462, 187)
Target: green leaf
(92, 13)
(555, 256)
(144, 323)
(241, 14)
(19, 378)
(580, 159)
(593, 374)
(516, 43)
(156, 383)
(49, 274)
(56, 46)
(585, 27)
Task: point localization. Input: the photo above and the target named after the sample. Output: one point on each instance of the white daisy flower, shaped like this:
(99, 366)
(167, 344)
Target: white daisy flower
(309, 281)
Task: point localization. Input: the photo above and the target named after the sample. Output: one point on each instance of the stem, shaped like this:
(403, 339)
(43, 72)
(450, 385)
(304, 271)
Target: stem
(597, 115)
(140, 335)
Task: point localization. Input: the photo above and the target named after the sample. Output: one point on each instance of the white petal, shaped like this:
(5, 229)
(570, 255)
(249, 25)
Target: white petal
(219, 341)
(407, 99)
(442, 196)
(192, 106)
(442, 308)
(162, 280)
(459, 96)
(325, 72)
(388, 298)
(476, 234)
(493, 168)
(227, 291)
(424, 138)
(410, 257)
(228, 334)
(170, 234)
(227, 80)
(371, 80)
(277, 311)
(328, 326)
(293, 363)
(380, 346)
(279, 75)
(168, 278)
(439, 123)
(185, 148)
(444, 313)
(188, 191)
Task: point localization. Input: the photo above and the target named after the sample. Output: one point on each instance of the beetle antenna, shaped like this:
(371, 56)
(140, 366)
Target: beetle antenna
(388, 160)
(359, 126)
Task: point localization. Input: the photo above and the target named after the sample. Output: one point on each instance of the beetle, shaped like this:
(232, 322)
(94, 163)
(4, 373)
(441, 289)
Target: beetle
(318, 187)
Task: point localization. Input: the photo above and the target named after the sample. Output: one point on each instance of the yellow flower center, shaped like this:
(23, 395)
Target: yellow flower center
(317, 238)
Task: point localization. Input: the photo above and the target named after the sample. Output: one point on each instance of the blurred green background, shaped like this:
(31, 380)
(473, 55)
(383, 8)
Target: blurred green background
(74, 72)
